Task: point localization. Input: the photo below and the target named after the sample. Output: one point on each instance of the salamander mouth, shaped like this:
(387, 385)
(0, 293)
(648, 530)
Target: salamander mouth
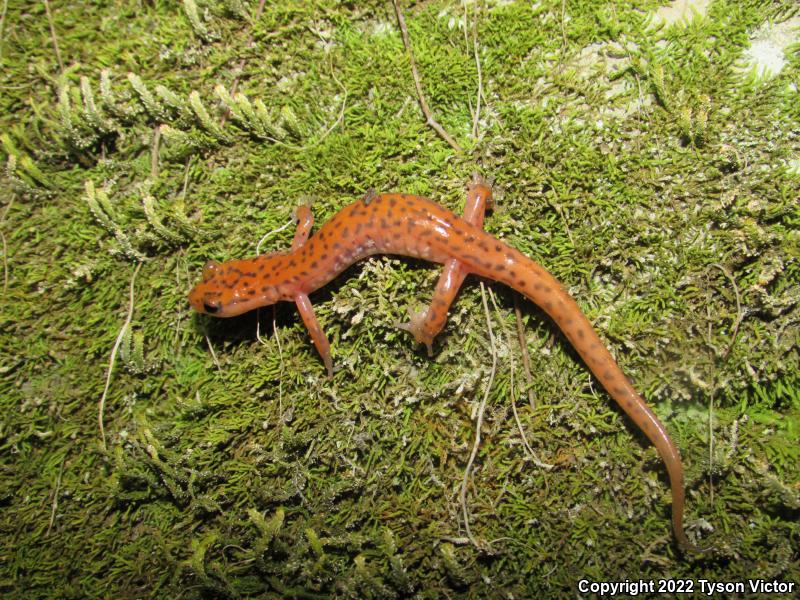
(216, 307)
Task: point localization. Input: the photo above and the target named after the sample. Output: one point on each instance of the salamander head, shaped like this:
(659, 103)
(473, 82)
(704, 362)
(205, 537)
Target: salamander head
(233, 288)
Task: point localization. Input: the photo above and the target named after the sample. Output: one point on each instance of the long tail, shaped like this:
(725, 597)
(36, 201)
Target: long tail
(529, 278)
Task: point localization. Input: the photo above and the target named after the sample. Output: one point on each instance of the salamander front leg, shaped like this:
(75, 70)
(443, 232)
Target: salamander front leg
(305, 220)
(426, 324)
(317, 335)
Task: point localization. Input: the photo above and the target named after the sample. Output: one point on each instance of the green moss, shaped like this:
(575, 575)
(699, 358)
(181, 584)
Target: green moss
(638, 162)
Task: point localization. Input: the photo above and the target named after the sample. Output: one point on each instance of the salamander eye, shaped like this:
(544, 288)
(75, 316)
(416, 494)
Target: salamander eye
(211, 306)
(210, 269)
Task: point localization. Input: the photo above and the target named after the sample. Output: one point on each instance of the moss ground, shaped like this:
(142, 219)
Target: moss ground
(644, 163)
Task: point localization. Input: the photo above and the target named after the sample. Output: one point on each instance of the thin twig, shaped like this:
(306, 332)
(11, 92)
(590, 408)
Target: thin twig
(340, 118)
(526, 357)
(420, 95)
(102, 404)
(54, 505)
(739, 314)
(185, 179)
(536, 460)
(213, 354)
(280, 360)
(477, 115)
(53, 36)
(737, 323)
(269, 234)
(479, 424)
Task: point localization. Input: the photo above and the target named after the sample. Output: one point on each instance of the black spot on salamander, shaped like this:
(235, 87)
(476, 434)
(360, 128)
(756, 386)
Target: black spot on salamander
(440, 301)
(321, 235)
(345, 233)
(548, 306)
(594, 346)
(499, 267)
(397, 235)
(608, 374)
(497, 247)
(425, 233)
(336, 223)
(581, 333)
(547, 289)
(472, 258)
(336, 245)
(292, 262)
(384, 223)
(513, 274)
(621, 391)
(397, 223)
(251, 292)
(469, 238)
(483, 246)
(303, 274)
(261, 266)
(323, 256)
(313, 265)
(265, 288)
(392, 201)
(359, 227)
(249, 274)
(522, 283)
(403, 209)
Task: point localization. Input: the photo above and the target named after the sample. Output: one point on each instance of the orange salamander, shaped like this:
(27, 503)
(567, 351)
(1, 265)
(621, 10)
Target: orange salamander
(414, 226)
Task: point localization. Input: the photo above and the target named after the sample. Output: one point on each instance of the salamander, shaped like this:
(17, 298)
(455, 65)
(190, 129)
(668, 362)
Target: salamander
(409, 225)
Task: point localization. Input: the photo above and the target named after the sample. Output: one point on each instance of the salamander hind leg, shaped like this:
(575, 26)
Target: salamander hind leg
(426, 324)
